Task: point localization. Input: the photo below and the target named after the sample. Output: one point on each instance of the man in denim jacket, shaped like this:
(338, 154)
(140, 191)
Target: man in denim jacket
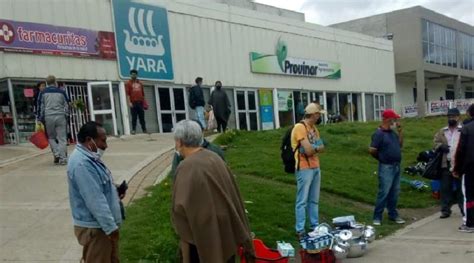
(93, 197)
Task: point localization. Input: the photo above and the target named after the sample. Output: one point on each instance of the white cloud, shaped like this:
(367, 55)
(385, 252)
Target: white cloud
(326, 12)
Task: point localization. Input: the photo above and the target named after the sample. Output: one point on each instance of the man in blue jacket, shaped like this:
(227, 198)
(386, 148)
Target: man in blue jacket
(53, 106)
(95, 203)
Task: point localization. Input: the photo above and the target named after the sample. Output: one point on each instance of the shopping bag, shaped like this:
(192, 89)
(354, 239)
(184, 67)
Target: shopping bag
(145, 105)
(211, 123)
(39, 127)
(39, 139)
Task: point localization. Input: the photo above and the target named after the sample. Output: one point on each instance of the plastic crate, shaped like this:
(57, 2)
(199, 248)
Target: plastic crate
(324, 256)
(263, 254)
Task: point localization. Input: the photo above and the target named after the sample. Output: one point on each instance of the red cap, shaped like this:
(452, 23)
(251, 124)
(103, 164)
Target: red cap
(390, 114)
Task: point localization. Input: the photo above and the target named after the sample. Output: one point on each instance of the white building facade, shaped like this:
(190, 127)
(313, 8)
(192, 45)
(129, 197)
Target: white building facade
(270, 65)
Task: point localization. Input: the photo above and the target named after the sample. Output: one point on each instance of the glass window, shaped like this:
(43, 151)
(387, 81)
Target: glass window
(439, 44)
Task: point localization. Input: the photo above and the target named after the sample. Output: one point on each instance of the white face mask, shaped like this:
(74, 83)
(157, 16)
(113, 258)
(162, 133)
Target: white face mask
(394, 126)
(100, 153)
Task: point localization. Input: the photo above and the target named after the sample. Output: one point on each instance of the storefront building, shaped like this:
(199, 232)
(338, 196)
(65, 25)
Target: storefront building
(271, 66)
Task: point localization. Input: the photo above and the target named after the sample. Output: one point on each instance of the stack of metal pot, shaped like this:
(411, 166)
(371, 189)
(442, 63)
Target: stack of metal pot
(350, 238)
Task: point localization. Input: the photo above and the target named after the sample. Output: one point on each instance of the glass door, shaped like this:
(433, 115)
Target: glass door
(101, 105)
(171, 107)
(246, 109)
(379, 105)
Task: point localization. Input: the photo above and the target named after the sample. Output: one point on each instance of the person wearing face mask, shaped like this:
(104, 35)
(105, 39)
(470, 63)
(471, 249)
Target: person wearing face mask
(207, 210)
(446, 141)
(93, 196)
(136, 100)
(221, 106)
(386, 145)
(304, 142)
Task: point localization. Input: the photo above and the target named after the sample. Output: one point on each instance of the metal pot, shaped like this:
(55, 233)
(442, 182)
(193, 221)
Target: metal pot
(340, 252)
(357, 249)
(369, 234)
(357, 230)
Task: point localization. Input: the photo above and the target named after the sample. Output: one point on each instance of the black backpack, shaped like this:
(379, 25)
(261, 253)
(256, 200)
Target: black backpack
(287, 153)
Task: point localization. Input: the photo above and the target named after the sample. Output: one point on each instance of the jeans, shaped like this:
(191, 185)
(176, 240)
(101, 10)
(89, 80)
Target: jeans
(138, 111)
(55, 126)
(200, 116)
(389, 189)
(308, 182)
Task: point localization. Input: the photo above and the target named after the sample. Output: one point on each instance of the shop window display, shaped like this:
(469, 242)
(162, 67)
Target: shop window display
(7, 130)
(24, 95)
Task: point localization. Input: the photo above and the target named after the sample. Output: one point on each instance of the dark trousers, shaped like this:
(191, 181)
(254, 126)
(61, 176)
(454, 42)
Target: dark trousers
(468, 186)
(194, 256)
(138, 111)
(449, 196)
(221, 124)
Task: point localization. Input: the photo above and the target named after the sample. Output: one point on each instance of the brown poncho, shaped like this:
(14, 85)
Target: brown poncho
(207, 209)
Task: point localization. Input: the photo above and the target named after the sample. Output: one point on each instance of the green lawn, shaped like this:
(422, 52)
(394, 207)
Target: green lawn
(348, 187)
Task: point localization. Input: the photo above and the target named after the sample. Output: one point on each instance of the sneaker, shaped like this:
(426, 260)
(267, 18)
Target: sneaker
(56, 160)
(377, 222)
(466, 229)
(398, 220)
(145, 132)
(63, 162)
(133, 132)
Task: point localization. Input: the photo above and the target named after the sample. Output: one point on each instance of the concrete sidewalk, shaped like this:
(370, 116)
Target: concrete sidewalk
(35, 219)
(431, 240)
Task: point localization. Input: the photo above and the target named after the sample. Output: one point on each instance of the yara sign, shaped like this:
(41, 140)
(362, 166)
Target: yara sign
(143, 40)
(281, 64)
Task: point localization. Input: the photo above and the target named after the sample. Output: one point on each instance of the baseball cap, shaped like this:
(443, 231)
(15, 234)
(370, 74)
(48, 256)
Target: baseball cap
(390, 114)
(454, 112)
(313, 108)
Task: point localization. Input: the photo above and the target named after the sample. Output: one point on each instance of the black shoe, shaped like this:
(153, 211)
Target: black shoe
(56, 160)
(133, 132)
(444, 215)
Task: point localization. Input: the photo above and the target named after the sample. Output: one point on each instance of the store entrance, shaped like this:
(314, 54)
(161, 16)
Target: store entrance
(102, 106)
(79, 112)
(172, 107)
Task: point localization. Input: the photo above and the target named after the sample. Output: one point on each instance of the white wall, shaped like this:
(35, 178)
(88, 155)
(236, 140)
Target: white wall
(404, 95)
(212, 41)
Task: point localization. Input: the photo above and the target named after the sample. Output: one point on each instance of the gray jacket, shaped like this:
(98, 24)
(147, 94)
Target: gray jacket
(52, 101)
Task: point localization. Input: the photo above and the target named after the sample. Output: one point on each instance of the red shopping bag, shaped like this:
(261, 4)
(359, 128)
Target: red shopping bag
(39, 139)
(145, 105)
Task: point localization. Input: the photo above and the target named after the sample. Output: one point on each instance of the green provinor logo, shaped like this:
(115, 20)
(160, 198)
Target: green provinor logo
(281, 52)
(281, 64)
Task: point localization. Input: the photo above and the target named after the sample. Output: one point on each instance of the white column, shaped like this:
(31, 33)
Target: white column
(420, 91)
(364, 115)
(276, 109)
(124, 109)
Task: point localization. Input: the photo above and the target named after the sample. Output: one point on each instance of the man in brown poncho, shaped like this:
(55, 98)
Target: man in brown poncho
(207, 210)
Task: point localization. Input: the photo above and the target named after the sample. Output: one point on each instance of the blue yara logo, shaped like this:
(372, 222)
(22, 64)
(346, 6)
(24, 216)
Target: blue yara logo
(143, 40)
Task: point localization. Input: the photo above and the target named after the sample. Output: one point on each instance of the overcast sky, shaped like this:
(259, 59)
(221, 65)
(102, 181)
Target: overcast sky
(326, 12)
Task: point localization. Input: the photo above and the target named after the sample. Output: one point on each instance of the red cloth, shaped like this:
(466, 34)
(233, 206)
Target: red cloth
(135, 91)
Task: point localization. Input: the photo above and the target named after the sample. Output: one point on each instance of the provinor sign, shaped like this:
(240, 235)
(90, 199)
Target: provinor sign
(283, 65)
(34, 38)
(143, 40)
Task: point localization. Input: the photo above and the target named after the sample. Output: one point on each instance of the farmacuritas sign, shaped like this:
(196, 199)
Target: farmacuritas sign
(283, 65)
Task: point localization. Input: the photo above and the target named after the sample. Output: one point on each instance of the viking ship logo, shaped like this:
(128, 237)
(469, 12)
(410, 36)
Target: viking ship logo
(143, 40)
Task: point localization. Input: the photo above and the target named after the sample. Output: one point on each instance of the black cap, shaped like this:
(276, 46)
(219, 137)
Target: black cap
(133, 71)
(454, 112)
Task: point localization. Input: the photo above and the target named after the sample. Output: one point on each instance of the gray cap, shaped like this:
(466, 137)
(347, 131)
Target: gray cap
(454, 112)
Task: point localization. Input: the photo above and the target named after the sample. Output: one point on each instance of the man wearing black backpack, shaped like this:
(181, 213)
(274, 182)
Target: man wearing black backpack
(306, 145)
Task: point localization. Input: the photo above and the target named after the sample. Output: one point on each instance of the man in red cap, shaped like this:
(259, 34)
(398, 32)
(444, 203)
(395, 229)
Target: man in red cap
(386, 145)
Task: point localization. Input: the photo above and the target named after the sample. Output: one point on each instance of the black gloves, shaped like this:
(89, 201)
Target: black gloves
(444, 148)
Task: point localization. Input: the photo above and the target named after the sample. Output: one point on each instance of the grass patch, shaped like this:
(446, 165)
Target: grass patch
(347, 168)
(348, 187)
